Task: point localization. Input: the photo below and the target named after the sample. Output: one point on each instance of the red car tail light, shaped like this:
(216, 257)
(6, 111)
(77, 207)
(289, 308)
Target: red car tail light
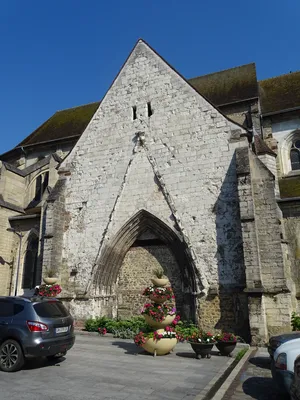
(35, 326)
(281, 362)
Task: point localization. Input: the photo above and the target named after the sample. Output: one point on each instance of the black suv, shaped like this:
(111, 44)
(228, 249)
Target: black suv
(33, 327)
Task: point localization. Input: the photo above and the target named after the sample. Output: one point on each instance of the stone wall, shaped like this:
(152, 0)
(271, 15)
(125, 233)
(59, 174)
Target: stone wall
(8, 252)
(176, 163)
(291, 223)
(268, 285)
(136, 273)
(225, 311)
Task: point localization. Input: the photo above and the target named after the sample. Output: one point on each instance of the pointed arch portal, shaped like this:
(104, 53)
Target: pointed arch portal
(112, 256)
(30, 261)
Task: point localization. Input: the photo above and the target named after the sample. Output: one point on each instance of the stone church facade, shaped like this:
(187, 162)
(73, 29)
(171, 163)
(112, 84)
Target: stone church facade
(200, 177)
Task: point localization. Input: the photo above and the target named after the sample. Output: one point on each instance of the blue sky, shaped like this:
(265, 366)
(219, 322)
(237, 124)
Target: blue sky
(62, 53)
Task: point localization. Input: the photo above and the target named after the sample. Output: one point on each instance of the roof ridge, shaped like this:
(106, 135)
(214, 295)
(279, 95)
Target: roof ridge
(223, 70)
(279, 76)
(82, 105)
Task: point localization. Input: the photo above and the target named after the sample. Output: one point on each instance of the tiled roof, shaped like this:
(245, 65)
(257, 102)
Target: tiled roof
(235, 84)
(280, 93)
(63, 124)
(229, 86)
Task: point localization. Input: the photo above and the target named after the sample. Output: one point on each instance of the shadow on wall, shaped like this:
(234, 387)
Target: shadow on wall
(234, 315)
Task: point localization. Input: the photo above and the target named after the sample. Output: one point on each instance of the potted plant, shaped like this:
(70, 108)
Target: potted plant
(202, 343)
(184, 330)
(50, 276)
(49, 290)
(159, 294)
(102, 331)
(226, 343)
(159, 342)
(159, 279)
(158, 315)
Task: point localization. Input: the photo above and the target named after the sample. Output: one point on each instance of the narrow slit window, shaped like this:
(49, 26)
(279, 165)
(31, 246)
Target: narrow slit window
(149, 109)
(134, 113)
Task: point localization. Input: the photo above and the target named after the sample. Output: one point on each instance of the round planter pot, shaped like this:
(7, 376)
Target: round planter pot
(202, 350)
(50, 281)
(226, 348)
(159, 325)
(160, 347)
(160, 282)
(156, 300)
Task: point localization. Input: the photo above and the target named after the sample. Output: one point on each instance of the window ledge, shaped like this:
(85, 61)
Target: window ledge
(291, 174)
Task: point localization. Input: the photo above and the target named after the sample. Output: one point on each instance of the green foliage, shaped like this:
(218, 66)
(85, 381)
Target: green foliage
(158, 273)
(185, 329)
(134, 324)
(51, 273)
(125, 333)
(295, 322)
(241, 354)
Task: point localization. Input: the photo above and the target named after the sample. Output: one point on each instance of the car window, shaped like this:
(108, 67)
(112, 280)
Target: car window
(50, 309)
(6, 308)
(18, 308)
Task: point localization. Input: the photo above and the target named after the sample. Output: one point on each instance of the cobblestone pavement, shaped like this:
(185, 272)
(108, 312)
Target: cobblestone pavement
(106, 368)
(255, 380)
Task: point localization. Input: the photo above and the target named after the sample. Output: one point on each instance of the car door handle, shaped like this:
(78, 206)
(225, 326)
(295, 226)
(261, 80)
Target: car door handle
(3, 323)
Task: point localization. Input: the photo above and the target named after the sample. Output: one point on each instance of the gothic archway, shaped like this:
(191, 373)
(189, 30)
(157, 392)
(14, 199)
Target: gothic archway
(113, 255)
(30, 262)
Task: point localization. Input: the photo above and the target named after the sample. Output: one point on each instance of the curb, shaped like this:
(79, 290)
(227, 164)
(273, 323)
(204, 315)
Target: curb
(217, 383)
(219, 395)
(86, 333)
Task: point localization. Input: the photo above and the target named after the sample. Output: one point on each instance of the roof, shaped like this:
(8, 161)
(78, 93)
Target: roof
(229, 86)
(235, 84)
(289, 187)
(280, 93)
(63, 124)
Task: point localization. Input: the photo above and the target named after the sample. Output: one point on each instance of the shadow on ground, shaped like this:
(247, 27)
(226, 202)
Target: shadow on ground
(186, 354)
(36, 363)
(130, 348)
(262, 389)
(191, 354)
(261, 362)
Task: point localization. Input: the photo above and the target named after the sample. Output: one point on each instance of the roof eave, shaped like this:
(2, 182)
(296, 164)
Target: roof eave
(286, 110)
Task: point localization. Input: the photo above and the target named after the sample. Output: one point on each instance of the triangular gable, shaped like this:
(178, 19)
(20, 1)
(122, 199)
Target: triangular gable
(140, 47)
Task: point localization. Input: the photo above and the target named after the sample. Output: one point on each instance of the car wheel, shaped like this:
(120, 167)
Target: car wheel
(11, 356)
(56, 356)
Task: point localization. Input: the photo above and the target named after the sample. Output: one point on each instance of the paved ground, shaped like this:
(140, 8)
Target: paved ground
(255, 380)
(107, 368)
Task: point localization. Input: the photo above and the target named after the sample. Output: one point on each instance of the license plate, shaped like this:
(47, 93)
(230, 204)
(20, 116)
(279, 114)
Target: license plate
(62, 329)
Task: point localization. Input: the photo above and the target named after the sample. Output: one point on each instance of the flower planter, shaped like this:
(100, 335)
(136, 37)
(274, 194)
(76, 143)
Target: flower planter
(158, 300)
(202, 350)
(50, 281)
(160, 282)
(160, 347)
(226, 348)
(159, 325)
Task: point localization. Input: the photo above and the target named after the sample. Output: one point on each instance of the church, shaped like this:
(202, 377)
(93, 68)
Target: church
(200, 177)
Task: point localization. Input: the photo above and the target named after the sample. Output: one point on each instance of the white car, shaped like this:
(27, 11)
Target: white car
(283, 364)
